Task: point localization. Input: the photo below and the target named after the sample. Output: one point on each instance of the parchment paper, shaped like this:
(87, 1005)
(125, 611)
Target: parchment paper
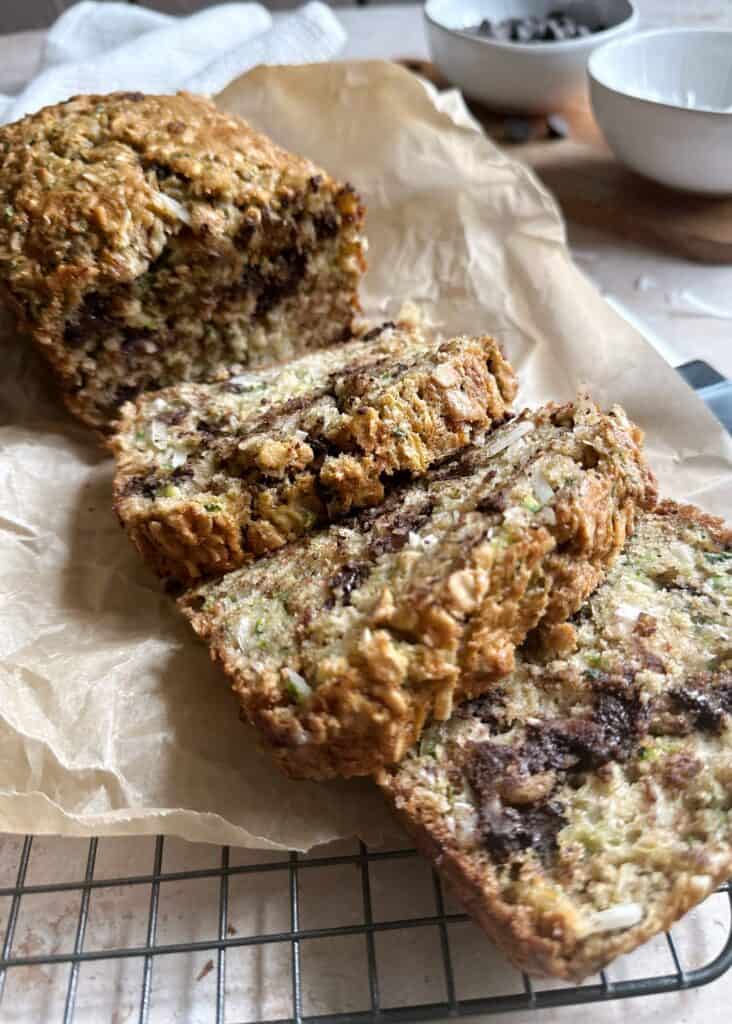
(112, 719)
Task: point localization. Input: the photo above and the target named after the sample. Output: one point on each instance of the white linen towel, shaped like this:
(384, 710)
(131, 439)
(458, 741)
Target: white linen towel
(101, 47)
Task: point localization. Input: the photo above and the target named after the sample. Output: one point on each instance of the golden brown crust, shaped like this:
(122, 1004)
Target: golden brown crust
(511, 929)
(344, 644)
(687, 513)
(251, 477)
(545, 914)
(502, 923)
(112, 206)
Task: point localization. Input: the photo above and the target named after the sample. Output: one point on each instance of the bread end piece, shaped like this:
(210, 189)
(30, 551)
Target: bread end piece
(581, 806)
(146, 240)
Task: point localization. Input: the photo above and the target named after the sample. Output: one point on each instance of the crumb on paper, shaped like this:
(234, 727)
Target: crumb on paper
(206, 969)
(414, 314)
(644, 283)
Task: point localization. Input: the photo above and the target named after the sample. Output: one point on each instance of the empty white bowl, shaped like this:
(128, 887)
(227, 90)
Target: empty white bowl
(663, 100)
(519, 77)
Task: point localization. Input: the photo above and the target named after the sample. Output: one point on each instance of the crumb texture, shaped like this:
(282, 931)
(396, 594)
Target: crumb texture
(146, 240)
(344, 643)
(211, 475)
(584, 803)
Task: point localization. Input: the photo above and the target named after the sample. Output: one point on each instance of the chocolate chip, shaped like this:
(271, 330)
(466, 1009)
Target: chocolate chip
(93, 314)
(622, 718)
(611, 733)
(74, 335)
(668, 579)
(492, 504)
(489, 762)
(680, 768)
(126, 392)
(455, 466)
(96, 307)
(208, 428)
(498, 773)
(523, 31)
(651, 661)
(555, 30)
(243, 237)
(557, 26)
(354, 380)
(326, 226)
(376, 331)
(488, 709)
(264, 421)
(707, 708)
(506, 829)
(145, 486)
(348, 578)
(252, 279)
(645, 625)
(394, 532)
(509, 830)
(131, 342)
(172, 417)
(291, 265)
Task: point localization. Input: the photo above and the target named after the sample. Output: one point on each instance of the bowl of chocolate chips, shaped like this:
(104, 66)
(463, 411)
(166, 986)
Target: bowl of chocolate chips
(522, 56)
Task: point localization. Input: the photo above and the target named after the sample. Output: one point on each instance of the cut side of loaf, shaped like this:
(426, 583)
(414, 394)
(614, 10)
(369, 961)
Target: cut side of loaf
(146, 240)
(344, 643)
(211, 475)
(584, 803)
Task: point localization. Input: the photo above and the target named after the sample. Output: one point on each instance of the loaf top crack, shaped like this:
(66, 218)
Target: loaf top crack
(150, 239)
(342, 644)
(584, 803)
(210, 475)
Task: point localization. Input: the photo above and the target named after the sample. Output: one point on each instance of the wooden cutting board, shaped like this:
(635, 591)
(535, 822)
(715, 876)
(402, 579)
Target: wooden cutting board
(592, 188)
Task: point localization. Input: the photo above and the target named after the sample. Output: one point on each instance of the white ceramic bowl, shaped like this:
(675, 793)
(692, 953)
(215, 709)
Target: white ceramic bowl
(663, 100)
(519, 77)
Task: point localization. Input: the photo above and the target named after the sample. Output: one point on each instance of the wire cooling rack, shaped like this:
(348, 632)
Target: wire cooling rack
(369, 925)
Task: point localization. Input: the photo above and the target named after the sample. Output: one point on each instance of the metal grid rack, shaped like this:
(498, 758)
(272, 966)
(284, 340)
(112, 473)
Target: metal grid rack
(290, 870)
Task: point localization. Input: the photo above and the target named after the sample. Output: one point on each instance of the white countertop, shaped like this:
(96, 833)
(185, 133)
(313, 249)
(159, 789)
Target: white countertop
(652, 285)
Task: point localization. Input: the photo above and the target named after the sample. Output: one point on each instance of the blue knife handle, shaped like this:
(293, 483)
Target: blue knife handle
(712, 387)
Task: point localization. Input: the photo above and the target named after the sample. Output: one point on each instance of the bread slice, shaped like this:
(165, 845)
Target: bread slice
(210, 475)
(342, 644)
(146, 240)
(584, 803)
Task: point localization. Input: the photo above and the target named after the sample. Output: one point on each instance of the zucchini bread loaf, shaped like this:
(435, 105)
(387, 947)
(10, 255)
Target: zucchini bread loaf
(210, 475)
(342, 644)
(585, 802)
(146, 240)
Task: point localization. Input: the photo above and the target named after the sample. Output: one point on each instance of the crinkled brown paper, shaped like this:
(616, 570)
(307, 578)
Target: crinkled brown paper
(112, 718)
